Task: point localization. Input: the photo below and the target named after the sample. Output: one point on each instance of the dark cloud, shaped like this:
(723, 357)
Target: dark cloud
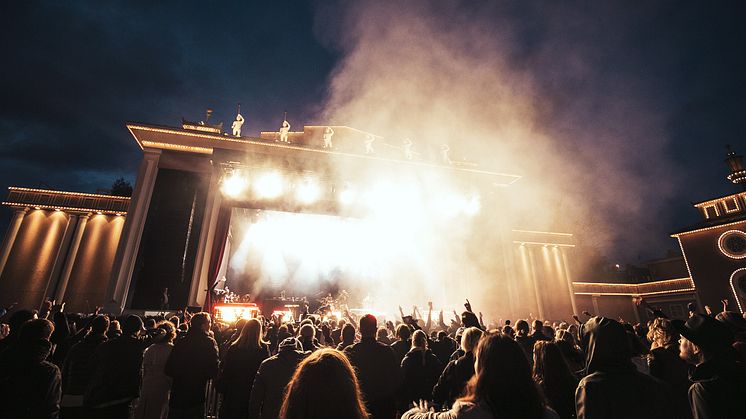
(666, 73)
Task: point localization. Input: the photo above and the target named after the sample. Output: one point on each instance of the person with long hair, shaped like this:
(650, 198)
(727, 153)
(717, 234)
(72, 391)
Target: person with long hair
(242, 361)
(502, 386)
(323, 386)
(553, 375)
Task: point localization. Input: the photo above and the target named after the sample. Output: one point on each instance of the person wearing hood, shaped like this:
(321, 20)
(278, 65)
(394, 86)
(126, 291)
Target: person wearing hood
(273, 376)
(612, 387)
(420, 371)
(718, 387)
(30, 386)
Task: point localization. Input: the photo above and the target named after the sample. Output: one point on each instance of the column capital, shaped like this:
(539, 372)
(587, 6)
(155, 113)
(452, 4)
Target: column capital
(21, 210)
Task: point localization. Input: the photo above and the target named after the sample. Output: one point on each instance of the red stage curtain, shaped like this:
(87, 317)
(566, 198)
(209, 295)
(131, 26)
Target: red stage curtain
(216, 252)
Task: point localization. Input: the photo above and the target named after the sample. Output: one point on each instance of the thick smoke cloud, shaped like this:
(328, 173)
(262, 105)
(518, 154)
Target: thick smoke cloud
(538, 93)
(542, 100)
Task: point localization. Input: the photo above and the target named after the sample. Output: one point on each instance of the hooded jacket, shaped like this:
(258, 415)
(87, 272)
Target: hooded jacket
(613, 388)
(718, 390)
(30, 386)
(269, 384)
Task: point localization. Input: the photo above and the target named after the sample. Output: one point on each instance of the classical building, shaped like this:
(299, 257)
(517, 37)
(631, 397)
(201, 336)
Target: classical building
(59, 245)
(199, 190)
(710, 268)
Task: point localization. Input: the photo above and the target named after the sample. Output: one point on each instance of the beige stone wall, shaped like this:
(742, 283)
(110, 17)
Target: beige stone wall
(31, 261)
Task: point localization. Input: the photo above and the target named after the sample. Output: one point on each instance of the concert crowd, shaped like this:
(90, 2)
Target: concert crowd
(189, 365)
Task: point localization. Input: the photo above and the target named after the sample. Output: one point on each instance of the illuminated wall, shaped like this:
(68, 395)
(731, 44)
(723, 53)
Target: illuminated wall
(28, 270)
(93, 263)
(711, 266)
(44, 252)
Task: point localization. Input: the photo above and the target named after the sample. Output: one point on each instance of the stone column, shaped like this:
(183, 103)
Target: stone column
(59, 259)
(129, 242)
(534, 282)
(10, 238)
(71, 256)
(568, 280)
(206, 239)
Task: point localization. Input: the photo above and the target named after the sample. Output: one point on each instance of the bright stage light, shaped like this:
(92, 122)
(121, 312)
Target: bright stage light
(472, 206)
(308, 191)
(233, 185)
(347, 196)
(269, 185)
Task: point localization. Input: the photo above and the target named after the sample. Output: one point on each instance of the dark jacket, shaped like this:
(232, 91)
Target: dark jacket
(443, 349)
(236, 378)
(420, 371)
(400, 348)
(453, 379)
(666, 365)
(613, 387)
(378, 373)
(30, 386)
(193, 361)
(718, 390)
(116, 371)
(78, 367)
(527, 343)
(269, 384)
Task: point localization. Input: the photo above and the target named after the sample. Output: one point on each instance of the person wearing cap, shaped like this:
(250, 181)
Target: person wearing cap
(273, 376)
(613, 387)
(115, 384)
(718, 387)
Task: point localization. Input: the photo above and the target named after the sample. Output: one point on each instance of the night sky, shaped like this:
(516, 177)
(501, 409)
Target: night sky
(73, 73)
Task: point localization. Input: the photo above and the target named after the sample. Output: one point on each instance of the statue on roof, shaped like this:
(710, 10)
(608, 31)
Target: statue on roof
(407, 148)
(238, 123)
(444, 151)
(369, 139)
(285, 129)
(328, 133)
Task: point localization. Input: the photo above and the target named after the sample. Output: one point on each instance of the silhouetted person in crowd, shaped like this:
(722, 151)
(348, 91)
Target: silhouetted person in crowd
(78, 368)
(565, 340)
(502, 386)
(273, 376)
(376, 369)
(665, 364)
(458, 372)
(115, 329)
(403, 342)
(15, 321)
(324, 386)
(443, 347)
(557, 382)
(420, 371)
(613, 388)
(524, 339)
(538, 332)
(307, 337)
(193, 361)
(156, 385)
(383, 336)
(348, 337)
(718, 387)
(30, 386)
(239, 369)
(115, 384)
